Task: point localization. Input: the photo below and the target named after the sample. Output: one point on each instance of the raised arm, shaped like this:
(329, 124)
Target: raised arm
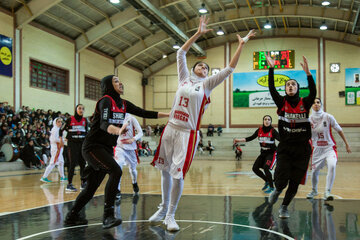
(309, 100)
(183, 71)
(278, 99)
(213, 81)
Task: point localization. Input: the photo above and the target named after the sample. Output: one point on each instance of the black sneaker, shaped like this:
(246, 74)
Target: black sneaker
(70, 188)
(118, 196)
(75, 219)
(136, 188)
(111, 221)
(83, 185)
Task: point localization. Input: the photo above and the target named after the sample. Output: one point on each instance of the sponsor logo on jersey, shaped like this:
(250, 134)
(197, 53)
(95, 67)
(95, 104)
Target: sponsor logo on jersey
(325, 124)
(295, 115)
(117, 115)
(182, 116)
(301, 108)
(197, 88)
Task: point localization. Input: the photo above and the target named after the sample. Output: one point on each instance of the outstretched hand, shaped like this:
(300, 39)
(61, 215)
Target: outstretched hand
(305, 66)
(269, 60)
(243, 40)
(202, 29)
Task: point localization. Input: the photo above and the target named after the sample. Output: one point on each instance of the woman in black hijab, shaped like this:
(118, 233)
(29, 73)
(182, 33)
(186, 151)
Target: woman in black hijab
(76, 127)
(266, 135)
(293, 153)
(107, 124)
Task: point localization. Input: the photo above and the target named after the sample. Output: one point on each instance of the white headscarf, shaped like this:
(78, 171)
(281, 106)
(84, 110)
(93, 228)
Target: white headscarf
(195, 78)
(317, 119)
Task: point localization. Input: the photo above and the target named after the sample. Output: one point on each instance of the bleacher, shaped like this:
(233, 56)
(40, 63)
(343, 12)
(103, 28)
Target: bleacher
(224, 150)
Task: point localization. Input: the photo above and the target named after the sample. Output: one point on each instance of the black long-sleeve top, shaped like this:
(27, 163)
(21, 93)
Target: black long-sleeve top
(275, 135)
(290, 132)
(98, 134)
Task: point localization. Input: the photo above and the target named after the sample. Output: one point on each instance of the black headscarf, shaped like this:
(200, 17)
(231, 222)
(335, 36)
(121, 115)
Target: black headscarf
(108, 89)
(293, 100)
(76, 115)
(268, 128)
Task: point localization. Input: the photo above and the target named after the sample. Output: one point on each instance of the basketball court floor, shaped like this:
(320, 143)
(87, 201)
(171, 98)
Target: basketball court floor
(221, 200)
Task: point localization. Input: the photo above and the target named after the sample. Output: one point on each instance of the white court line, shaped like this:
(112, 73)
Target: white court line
(186, 221)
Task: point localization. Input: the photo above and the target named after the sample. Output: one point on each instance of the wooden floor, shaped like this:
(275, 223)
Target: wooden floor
(22, 190)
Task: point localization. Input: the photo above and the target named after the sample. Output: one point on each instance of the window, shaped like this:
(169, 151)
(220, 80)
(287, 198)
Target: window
(92, 88)
(48, 77)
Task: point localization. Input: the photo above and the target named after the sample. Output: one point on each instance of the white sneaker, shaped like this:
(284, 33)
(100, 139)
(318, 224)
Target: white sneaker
(311, 195)
(159, 215)
(171, 223)
(328, 196)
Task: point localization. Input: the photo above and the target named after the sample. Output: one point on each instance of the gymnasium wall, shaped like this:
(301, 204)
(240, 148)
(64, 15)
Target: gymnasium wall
(7, 83)
(349, 57)
(95, 66)
(44, 47)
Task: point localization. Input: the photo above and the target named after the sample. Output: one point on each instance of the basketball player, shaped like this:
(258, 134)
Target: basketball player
(324, 148)
(56, 149)
(294, 149)
(267, 158)
(178, 142)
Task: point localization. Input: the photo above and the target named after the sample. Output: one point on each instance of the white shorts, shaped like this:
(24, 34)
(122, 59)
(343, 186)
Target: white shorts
(56, 154)
(176, 150)
(126, 157)
(322, 155)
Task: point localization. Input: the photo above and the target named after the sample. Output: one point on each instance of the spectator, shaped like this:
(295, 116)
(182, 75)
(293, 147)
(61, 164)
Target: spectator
(28, 156)
(157, 130)
(148, 130)
(238, 152)
(200, 147)
(210, 147)
(210, 130)
(219, 130)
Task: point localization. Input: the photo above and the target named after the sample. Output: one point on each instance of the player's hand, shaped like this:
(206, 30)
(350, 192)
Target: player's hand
(202, 29)
(348, 149)
(305, 66)
(128, 141)
(269, 60)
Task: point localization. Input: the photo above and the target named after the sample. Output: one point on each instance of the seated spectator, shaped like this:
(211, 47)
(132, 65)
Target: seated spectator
(157, 130)
(161, 129)
(200, 134)
(147, 148)
(28, 156)
(139, 148)
(219, 130)
(18, 140)
(8, 137)
(148, 130)
(238, 152)
(210, 147)
(210, 130)
(200, 147)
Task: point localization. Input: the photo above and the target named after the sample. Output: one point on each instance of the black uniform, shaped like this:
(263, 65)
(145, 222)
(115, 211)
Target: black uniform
(98, 152)
(267, 152)
(76, 127)
(293, 153)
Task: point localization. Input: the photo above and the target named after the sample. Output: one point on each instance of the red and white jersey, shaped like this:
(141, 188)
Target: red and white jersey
(134, 130)
(193, 94)
(321, 134)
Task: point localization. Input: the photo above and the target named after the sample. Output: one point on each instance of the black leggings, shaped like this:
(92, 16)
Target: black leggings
(100, 163)
(75, 157)
(263, 162)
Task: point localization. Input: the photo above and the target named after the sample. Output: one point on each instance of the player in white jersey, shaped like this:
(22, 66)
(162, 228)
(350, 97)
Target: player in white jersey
(324, 148)
(125, 150)
(180, 137)
(56, 150)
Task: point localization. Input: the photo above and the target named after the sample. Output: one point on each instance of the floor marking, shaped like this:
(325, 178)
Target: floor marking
(147, 221)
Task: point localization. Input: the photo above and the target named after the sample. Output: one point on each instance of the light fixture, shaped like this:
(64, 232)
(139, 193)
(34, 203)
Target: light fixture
(176, 46)
(325, 3)
(267, 25)
(323, 26)
(220, 32)
(203, 10)
(164, 56)
(115, 1)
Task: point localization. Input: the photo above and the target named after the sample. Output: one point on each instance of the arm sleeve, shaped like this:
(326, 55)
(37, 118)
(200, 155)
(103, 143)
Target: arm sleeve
(183, 71)
(104, 108)
(276, 134)
(309, 100)
(278, 99)
(211, 82)
(252, 137)
(131, 108)
(334, 123)
(137, 128)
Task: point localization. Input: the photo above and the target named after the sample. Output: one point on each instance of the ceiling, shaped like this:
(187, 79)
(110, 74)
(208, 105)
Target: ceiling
(140, 33)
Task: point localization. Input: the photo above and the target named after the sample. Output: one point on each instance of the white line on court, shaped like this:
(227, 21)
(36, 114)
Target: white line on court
(185, 221)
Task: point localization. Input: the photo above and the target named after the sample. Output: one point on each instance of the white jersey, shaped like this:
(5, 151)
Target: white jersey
(134, 130)
(193, 94)
(321, 135)
(54, 133)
